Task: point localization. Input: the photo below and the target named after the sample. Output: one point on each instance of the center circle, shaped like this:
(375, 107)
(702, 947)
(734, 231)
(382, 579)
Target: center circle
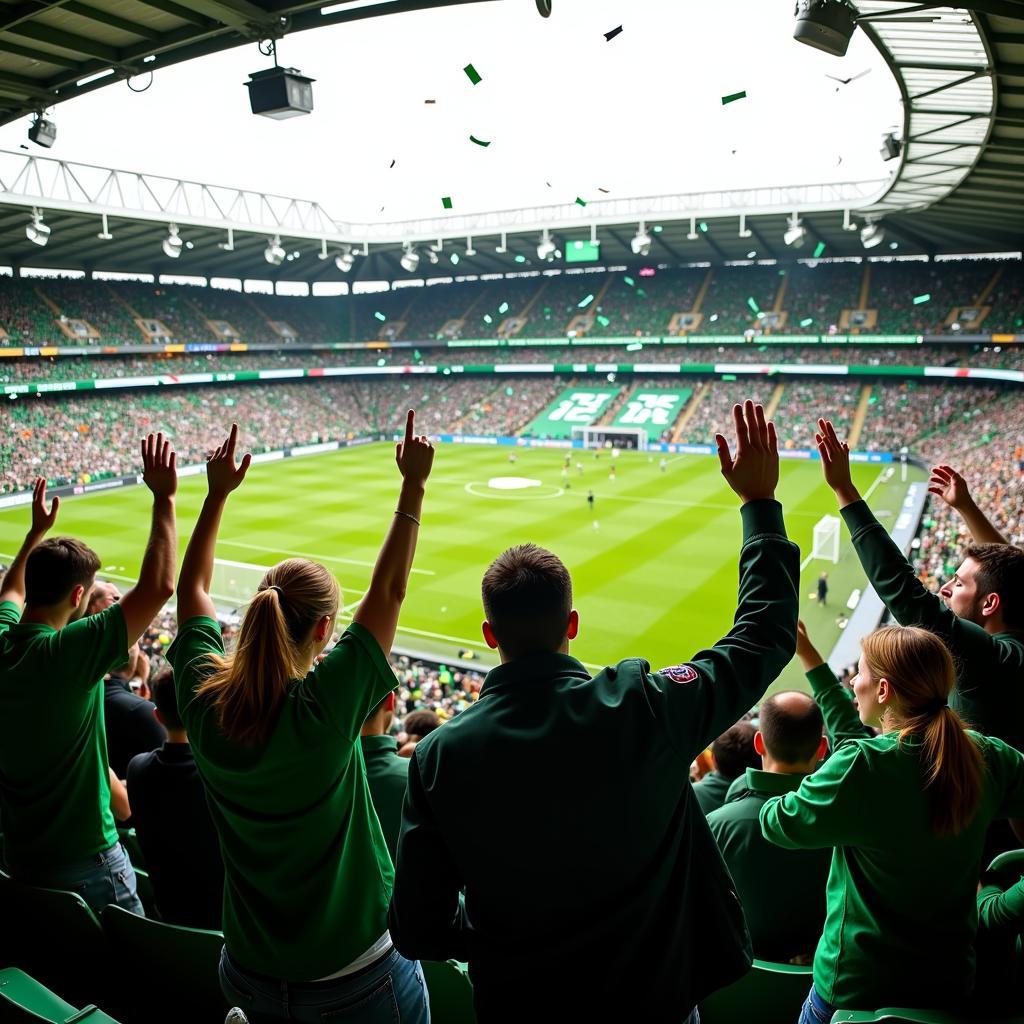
(511, 483)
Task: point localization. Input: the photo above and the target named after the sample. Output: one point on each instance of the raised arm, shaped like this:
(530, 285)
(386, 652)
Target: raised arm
(946, 483)
(841, 719)
(379, 608)
(222, 477)
(155, 584)
(702, 698)
(13, 587)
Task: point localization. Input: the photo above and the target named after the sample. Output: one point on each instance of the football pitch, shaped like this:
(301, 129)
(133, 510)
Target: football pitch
(654, 565)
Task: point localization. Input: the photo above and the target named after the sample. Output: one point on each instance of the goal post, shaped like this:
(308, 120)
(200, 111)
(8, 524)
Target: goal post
(234, 583)
(826, 539)
(629, 438)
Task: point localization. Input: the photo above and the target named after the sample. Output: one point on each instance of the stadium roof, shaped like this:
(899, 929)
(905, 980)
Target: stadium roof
(957, 187)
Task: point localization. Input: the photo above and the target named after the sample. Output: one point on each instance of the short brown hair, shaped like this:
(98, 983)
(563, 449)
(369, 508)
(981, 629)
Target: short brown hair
(166, 699)
(527, 595)
(55, 567)
(734, 751)
(791, 729)
(421, 723)
(1001, 572)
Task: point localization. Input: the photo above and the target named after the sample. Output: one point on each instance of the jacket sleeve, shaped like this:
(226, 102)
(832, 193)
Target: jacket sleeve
(909, 601)
(1001, 912)
(699, 700)
(426, 917)
(841, 719)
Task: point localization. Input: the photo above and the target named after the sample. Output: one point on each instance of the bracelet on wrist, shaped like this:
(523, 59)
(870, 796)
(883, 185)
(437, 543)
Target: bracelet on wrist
(407, 515)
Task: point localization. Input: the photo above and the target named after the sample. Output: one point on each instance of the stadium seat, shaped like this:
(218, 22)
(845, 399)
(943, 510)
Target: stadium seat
(130, 842)
(179, 963)
(451, 992)
(1009, 860)
(776, 990)
(57, 939)
(24, 1001)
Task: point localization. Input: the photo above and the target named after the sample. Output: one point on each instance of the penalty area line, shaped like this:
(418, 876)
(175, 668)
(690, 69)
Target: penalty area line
(309, 554)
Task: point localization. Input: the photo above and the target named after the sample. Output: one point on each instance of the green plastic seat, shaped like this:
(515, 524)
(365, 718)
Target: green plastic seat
(179, 963)
(1010, 860)
(24, 1001)
(450, 990)
(904, 1015)
(775, 991)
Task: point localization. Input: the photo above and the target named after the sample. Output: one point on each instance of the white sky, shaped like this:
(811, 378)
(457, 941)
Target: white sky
(640, 115)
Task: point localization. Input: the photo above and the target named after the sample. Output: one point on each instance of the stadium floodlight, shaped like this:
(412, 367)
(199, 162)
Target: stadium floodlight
(172, 244)
(470, 251)
(228, 245)
(641, 241)
(432, 255)
(503, 248)
(410, 258)
(104, 235)
(796, 233)
(745, 232)
(691, 235)
(274, 253)
(42, 131)
(35, 230)
(279, 92)
(825, 24)
(345, 260)
(546, 248)
(871, 235)
(848, 224)
(891, 146)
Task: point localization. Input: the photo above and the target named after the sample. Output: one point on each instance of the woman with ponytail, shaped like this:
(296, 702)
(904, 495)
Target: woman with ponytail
(906, 814)
(275, 732)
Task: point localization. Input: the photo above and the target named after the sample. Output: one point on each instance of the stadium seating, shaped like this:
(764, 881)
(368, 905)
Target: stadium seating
(768, 993)
(24, 1001)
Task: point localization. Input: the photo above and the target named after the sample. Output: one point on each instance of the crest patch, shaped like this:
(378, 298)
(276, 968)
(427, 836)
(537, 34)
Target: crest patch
(680, 673)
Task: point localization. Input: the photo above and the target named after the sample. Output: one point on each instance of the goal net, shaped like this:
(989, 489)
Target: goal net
(826, 539)
(234, 583)
(629, 438)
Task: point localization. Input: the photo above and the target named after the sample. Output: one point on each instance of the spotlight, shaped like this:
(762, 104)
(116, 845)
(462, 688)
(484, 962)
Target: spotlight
(42, 132)
(891, 146)
(274, 253)
(871, 235)
(280, 93)
(825, 24)
(345, 261)
(36, 231)
(172, 244)
(796, 233)
(410, 259)
(432, 256)
(546, 248)
(641, 241)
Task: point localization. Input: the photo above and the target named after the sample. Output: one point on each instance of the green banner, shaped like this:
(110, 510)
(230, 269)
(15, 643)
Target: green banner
(655, 409)
(574, 407)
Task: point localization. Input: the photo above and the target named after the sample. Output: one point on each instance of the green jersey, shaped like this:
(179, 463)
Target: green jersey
(307, 873)
(710, 791)
(54, 775)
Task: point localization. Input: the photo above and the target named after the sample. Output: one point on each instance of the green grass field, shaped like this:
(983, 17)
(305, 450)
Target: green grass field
(656, 578)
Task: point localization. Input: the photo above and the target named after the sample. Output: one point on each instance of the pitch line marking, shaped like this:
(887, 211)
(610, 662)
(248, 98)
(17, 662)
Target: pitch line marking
(878, 479)
(511, 495)
(308, 554)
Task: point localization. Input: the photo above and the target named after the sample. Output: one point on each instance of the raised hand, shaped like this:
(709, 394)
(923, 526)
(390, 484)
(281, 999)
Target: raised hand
(754, 472)
(414, 455)
(805, 650)
(222, 475)
(835, 463)
(159, 466)
(42, 521)
(950, 486)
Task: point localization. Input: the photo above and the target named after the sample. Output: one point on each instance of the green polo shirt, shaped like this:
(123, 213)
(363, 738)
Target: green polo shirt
(782, 891)
(54, 781)
(989, 693)
(388, 776)
(307, 874)
(561, 802)
(710, 791)
(902, 912)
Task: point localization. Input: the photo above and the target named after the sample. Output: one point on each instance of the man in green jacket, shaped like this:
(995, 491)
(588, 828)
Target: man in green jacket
(733, 754)
(386, 772)
(561, 802)
(979, 615)
(782, 891)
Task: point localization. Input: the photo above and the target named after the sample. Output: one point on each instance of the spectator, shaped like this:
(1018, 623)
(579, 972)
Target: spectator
(307, 872)
(592, 880)
(733, 753)
(386, 772)
(782, 891)
(823, 589)
(418, 725)
(1000, 983)
(173, 824)
(905, 814)
(131, 727)
(54, 778)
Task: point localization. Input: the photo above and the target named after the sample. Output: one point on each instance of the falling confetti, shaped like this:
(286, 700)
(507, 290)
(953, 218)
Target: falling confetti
(393, 163)
(479, 142)
(446, 202)
(585, 301)
(603, 321)
(430, 102)
(919, 299)
(752, 303)
(807, 321)
(733, 97)
(380, 316)
(604, 190)
(472, 74)
(503, 308)
(819, 249)
(580, 202)
(613, 33)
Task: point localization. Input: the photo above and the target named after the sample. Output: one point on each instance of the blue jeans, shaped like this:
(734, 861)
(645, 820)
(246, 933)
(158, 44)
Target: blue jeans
(105, 877)
(815, 1010)
(389, 992)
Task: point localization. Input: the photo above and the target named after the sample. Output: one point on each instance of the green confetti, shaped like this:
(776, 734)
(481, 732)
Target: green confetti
(729, 376)
(380, 316)
(819, 249)
(753, 305)
(703, 225)
(807, 321)
(509, 392)
(629, 281)
(580, 202)
(472, 74)
(446, 202)
(503, 308)
(520, 259)
(479, 142)
(585, 301)
(641, 293)
(488, 319)
(733, 97)
(603, 321)
(919, 299)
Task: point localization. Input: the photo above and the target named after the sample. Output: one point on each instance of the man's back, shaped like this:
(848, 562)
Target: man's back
(177, 836)
(130, 725)
(388, 777)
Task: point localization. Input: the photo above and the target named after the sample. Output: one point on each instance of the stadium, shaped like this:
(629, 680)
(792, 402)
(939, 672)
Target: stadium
(597, 248)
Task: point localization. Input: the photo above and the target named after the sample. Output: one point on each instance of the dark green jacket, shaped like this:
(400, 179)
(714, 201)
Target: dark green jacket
(782, 891)
(842, 722)
(710, 791)
(562, 804)
(989, 693)
(388, 776)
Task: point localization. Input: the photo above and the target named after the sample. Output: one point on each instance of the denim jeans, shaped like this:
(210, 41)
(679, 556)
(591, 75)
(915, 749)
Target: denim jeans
(389, 992)
(815, 1010)
(105, 877)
